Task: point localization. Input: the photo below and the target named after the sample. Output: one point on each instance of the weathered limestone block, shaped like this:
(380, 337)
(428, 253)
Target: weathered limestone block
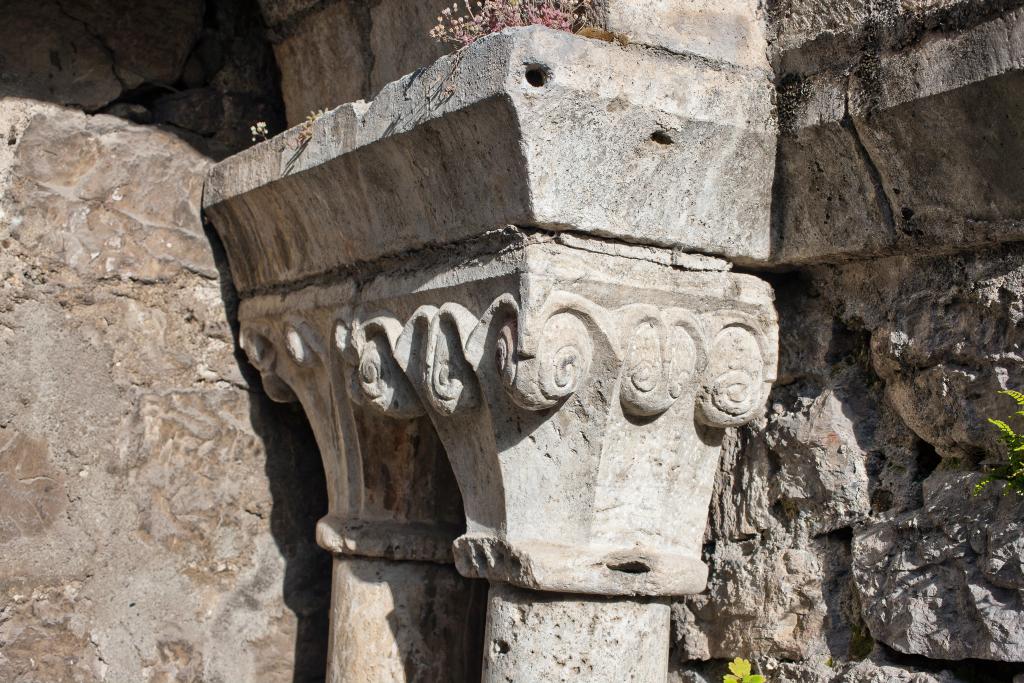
(148, 525)
(733, 31)
(775, 587)
(523, 129)
(947, 581)
(101, 208)
(147, 42)
(831, 455)
(361, 46)
(85, 53)
(34, 35)
(811, 35)
(906, 151)
(945, 337)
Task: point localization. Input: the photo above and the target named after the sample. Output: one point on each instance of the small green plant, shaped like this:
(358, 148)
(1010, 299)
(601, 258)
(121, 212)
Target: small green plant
(1013, 471)
(740, 669)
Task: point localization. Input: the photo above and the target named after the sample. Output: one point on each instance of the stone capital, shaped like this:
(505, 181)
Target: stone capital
(581, 397)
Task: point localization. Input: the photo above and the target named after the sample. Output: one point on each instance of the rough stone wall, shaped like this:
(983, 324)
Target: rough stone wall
(157, 512)
(845, 544)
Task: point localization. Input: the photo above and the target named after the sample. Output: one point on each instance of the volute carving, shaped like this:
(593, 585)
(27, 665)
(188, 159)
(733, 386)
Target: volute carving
(664, 355)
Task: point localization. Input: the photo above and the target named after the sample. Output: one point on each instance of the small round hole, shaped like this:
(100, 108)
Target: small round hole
(536, 76)
(662, 138)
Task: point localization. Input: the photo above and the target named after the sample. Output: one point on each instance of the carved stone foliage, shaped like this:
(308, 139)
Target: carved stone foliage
(582, 418)
(436, 360)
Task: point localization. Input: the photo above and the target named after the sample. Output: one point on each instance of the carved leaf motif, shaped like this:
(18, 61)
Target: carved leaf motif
(301, 343)
(450, 380)
(376, 379)
(660, 362)
(559, 363)
(734, 386)
(261, 353)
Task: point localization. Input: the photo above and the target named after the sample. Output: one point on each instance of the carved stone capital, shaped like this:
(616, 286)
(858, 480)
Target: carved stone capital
(391, 491)
(581, 398)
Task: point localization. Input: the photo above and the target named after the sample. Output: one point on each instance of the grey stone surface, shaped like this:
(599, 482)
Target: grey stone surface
(47, 54)
(831, 456)
(364, 46)
(87, 52)
(202, 70)
(148, 525)
(470, 145)
(732, 32)
(947, 581)
(931, 569)
(807, 36)
(533, 637)
(944, 334)
(906, 151)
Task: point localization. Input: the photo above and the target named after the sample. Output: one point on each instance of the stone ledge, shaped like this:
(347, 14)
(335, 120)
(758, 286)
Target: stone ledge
(549, 567)
(683, 160)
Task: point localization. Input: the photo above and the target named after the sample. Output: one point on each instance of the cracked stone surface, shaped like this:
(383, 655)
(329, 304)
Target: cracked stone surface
(837, 533)
(131, 445)
(860, 173)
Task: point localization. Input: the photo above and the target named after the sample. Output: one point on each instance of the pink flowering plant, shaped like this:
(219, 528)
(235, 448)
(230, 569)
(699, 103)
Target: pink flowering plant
(474, 21)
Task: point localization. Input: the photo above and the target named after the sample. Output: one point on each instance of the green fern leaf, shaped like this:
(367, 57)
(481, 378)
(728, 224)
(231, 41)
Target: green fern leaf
(1015, 395)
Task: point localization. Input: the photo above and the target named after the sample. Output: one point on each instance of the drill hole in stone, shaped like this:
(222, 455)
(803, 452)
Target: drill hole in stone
(500, 647)
(662, 137)
(629, 567)
(537, 75)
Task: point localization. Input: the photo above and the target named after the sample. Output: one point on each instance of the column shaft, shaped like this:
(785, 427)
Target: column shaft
(403, 622)
(534, 637)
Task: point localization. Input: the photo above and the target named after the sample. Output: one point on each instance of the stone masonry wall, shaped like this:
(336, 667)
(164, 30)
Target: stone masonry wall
(157, 512)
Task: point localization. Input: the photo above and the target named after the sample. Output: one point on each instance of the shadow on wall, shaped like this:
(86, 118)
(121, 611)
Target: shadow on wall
(200, 69)
(298, 490)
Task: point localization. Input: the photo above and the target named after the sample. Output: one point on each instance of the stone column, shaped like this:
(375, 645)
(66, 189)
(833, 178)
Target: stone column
(579, 381)
(551, 637)
(400, 611)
